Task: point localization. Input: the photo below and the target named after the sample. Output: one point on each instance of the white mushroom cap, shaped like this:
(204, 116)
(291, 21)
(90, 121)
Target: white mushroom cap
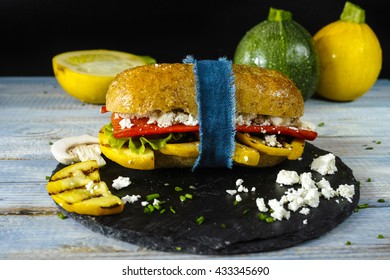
(74, 149)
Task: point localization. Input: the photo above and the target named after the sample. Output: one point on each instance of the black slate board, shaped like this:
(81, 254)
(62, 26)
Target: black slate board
(228, 228)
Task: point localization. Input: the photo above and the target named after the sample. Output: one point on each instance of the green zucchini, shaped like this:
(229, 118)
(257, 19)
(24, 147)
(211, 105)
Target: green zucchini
(282, 44)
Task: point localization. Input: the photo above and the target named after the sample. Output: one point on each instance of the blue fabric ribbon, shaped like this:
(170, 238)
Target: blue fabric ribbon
(215, 96)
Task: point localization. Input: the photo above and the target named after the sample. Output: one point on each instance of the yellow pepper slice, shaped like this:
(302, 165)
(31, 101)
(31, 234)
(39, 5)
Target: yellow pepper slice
(291, 151)
(125, 157)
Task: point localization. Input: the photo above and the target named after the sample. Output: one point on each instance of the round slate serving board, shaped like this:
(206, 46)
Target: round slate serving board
(227, 228)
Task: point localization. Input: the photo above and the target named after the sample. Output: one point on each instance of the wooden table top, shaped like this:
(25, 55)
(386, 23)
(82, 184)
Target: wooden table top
(35, 112)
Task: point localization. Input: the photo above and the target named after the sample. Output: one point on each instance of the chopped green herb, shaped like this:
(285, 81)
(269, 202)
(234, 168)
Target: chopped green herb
(269, 220)
(182, 198)
(152, 196)
(163, 211)
(172, 210)
(368, 180)
(362, 206)
(48, 178)
(188, 195)
(377, 142)
(321, 124)
(222, 226)
(178, 248)
(62, 216)
(235, 202)
(380, 236)
(200, 220)
(262, 216)
(50, 143)
(157, 207)
(151, 207)
(381, 200)
(348, 243)
(245, 211)
(369, 148)
(178, 189)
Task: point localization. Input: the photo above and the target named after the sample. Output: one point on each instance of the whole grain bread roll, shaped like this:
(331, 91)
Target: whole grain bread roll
(166, 87)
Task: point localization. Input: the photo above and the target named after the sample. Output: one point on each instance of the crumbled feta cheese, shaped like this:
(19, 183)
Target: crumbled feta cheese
(326, 190)
(304, 222)
(278, 210)
(156, 202)
(90, 186)
(121, 182)
(312, 198)
(305, 211)
(239, 182)
(125, 123)
(306, 181)
(325, 164)
(276, 120)
(253, 189)
(144, 203)
(241, 188)
(231, 192)
(130, 199)
(238, 198)
(346, 191)
(286, 177)
(261, 205)
(271, 141)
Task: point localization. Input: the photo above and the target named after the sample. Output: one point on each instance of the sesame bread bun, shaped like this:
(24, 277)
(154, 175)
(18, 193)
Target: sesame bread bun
(168, 87)
(154, 120)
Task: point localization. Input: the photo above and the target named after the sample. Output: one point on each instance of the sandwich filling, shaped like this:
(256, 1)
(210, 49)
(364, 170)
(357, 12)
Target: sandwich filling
(267, 134)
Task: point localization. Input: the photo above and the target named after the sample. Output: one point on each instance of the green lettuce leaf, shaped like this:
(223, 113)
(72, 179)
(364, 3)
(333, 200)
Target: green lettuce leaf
(137, 144)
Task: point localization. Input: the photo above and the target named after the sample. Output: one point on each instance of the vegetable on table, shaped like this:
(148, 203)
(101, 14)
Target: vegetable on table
(280, 43)
(350, 56)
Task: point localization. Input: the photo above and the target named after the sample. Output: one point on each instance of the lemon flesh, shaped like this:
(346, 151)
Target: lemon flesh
(87, 74)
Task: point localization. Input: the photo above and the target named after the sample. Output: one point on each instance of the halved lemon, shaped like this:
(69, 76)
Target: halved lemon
(86, 74)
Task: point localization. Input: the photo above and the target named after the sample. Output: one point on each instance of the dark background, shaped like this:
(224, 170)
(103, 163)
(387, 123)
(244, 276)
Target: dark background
(33, 31)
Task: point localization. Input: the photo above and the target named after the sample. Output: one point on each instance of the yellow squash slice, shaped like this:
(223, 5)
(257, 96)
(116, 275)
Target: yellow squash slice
(291, 151)
(125, 157)
(77, 188)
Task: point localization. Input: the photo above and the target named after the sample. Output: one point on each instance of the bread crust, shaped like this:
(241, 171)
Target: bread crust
(166, 87)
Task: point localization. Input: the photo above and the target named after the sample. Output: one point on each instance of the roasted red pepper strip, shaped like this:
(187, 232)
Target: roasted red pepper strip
(274, 129)
(141, 127)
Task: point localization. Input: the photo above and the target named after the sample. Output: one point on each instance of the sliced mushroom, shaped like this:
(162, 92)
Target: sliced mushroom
(74, 149)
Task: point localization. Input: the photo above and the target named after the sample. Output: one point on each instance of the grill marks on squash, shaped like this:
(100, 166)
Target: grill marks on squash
(85, 172)
(78, 188)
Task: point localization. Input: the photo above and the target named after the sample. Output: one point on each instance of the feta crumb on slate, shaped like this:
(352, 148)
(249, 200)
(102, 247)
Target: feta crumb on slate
(231, 192)
(261, 205)
(312, 198)
(278, 210)
(238, 198)
(286, 177)
(241, 188)
(121, 182)
(326, 190)
(130, 199)
(306, 181)
(325, 164)
(305, 211)
(346, 191)
(305, 222)
(239, 182)
(253, 189)
(144, 203)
